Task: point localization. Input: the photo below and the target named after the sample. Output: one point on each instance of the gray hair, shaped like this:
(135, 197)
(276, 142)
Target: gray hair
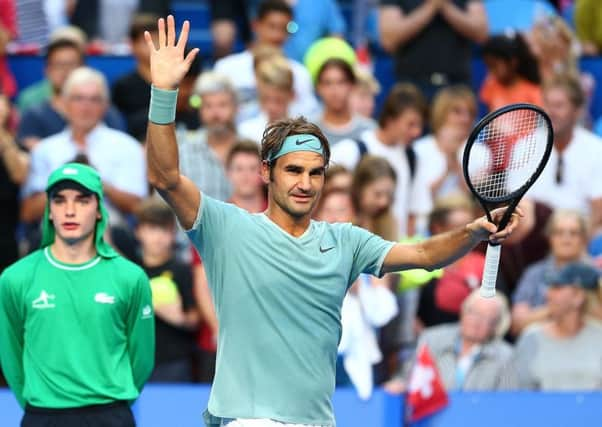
(560, 214)
(211, 82)
(503, 319)
(86, 75)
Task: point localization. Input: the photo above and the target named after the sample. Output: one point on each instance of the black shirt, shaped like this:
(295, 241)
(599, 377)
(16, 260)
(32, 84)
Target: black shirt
(9, 217)
(438, 48)
(131, 95)
(173, 343)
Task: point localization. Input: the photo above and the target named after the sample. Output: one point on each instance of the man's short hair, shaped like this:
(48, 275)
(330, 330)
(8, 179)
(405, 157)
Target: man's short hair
(154, 211)
(63, 43)
(276, 132)
(244, 146)
(275, 72)
(140, 23)
(403, 97)
(570, 84)
(268, 6)
(345, 67)
(211, 82)
(85, 75)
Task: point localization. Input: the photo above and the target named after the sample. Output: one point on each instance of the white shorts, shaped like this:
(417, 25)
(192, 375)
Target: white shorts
(261, 422)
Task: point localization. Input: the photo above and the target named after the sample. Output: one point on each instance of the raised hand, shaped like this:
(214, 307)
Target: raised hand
(167, 62)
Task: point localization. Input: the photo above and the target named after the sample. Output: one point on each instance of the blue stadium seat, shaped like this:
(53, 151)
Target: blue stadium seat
(199, 15)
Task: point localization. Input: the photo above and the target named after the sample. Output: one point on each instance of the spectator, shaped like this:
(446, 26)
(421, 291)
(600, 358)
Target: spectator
(571, 178)
(399, 124)
(243, 166)
(117, 156)
(439, 154)
(564, 352)
(311, 21)
(588, 20)
(364, 93)
(471, 355)
(337, 177)
(8, 31)
(229, 22)
(512, 72)
(334, 84)
(131, 93)
(32, 22)
(373, 190)
(62, 57)
(40, 91)
(441, 299)
(14, 165)
(412, 31)
(204, 151)
(104, 21)
(275, 92)
(567, 233)
(176, 316)
(270, 28)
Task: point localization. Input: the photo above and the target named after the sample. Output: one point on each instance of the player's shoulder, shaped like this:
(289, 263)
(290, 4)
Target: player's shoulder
(123, 267)
(24, 267)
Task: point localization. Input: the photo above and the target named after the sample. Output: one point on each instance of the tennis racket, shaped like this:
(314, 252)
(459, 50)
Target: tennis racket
(504, 155)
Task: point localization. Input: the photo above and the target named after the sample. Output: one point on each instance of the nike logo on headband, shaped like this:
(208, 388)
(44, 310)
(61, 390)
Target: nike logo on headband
(303, 141)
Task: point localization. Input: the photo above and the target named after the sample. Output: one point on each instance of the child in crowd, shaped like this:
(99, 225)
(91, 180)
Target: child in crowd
(275, 92)
(512, 72)
(176, 316)
(364, 93)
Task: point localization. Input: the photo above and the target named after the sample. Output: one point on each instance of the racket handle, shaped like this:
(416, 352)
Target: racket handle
(492, 263)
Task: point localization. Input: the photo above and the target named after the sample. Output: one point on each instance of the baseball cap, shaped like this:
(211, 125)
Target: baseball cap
(576, 274)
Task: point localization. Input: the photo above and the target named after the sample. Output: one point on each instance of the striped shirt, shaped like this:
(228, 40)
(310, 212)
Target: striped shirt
(33, 24)
(201, 165)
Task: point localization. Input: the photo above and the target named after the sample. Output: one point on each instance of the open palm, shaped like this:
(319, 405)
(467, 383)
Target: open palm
(167, 62)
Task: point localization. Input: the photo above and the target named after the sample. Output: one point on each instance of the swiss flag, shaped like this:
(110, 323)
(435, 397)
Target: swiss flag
(426, 393)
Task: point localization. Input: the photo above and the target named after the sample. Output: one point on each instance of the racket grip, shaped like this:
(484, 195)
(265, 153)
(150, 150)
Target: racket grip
(492, 263)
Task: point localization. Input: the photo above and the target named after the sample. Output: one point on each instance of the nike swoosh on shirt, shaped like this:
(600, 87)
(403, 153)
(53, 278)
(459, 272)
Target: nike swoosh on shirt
(324, 250)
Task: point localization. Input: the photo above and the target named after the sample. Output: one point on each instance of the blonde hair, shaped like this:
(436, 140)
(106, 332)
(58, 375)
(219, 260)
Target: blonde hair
(560, 214)
(444, 101)
(275, 72)
(365, 80)
(85, 75)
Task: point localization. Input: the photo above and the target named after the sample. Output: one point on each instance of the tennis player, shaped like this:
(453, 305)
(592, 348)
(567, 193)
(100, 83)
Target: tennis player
(277, 278)
(76, 321)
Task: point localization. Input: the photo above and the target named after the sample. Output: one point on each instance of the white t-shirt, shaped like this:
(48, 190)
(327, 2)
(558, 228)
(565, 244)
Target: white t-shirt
(239, 68)
(253, 128)
(581, 170)
(411, 196)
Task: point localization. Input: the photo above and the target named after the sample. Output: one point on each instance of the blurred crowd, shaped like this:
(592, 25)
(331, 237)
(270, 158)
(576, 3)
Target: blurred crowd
(396, 167)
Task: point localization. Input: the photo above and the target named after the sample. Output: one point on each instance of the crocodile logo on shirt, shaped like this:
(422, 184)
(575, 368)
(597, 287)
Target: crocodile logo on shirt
(42, 301)
(104, 298)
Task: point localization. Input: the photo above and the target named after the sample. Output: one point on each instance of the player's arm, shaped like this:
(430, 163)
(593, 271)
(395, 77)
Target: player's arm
(11, 338)
(141, 332)
(168, 67)
(445, 248)
(471, 23)
(396, 28)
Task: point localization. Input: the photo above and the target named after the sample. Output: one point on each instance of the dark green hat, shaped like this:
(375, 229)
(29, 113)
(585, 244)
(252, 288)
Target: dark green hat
(576, 274)
(82, 177)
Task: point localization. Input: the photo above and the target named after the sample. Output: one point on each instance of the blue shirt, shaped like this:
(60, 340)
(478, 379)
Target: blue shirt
(278, 302)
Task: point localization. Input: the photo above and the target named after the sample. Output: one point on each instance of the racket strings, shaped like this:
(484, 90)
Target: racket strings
(506, 152)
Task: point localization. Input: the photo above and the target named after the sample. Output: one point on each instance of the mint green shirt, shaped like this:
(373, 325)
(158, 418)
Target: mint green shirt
(278, 302)
(75, 335)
